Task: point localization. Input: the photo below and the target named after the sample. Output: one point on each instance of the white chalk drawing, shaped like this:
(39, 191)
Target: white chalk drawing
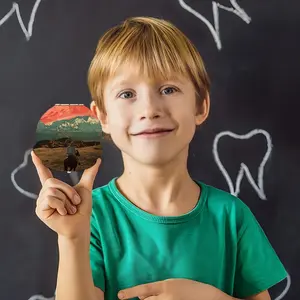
(244, 170)
(259, 187)
(16, 170)
(40, 297)
(285, 291)
(73, 175)
(16, 9)
(215, 29)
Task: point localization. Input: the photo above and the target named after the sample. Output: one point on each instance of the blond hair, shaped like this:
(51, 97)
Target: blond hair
(155, 46)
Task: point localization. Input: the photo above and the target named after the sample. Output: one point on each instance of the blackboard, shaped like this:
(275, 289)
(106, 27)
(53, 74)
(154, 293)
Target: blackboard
(249, 146)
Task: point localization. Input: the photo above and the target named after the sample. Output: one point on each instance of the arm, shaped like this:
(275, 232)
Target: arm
(74, 280)
(100, 294)
(261, 296)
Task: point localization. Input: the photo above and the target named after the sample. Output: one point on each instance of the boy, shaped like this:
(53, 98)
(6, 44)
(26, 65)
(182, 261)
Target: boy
(153, 232)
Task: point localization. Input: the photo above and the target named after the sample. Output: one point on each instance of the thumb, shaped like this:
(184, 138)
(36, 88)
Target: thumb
(88, 176)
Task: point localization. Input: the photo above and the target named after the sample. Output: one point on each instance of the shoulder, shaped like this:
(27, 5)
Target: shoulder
(101, 195)
(104, 202)
(220, 199)
(225, 206)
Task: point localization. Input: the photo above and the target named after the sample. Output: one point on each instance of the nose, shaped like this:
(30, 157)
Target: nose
(150, 106)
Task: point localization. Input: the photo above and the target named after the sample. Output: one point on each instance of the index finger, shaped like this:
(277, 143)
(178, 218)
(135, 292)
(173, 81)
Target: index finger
(142, 290)
(43, 172)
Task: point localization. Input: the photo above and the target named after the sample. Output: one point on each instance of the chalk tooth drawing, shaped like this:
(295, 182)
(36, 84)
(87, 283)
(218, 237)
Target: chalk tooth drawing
(215, 29)
(73, 176)
(40, 297)
(16, 9)
(16, 170)
(285, 291)
(244, 170)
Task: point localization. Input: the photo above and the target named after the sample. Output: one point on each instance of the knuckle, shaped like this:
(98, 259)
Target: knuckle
(56, 193)
(48, 197)
(50, 182)
(68, 204)
(51, 200)
(52, 191)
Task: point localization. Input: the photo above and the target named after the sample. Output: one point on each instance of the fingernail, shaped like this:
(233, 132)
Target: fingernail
(73, 209)
(77, 199)
(120, 295)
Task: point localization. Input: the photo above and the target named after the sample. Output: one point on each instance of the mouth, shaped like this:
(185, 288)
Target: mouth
(154, 132)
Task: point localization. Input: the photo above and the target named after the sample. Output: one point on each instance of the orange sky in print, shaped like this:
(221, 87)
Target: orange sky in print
(65, 112)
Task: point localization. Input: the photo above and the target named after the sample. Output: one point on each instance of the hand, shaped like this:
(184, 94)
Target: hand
(174, 289)
(63, 208)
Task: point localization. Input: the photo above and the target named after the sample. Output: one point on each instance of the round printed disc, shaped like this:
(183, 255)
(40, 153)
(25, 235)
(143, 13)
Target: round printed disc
(68, 138)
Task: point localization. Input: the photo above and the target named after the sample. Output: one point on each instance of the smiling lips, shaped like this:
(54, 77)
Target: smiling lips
(153, 132)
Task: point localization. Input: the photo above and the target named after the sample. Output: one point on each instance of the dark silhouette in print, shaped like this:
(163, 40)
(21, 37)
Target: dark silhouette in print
(71, 162)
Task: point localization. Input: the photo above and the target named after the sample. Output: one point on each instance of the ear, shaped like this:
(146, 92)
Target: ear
(102, 117)
(203, 113)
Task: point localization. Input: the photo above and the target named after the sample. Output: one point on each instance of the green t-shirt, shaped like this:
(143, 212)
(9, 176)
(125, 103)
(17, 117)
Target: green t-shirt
(219, 242)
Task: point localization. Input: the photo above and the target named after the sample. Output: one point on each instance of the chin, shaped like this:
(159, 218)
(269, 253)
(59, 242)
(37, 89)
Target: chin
(155, 159)
(156, 156)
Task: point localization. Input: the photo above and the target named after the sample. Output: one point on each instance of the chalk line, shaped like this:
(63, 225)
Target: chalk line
(40, 297)
(16, 9)
(259, 187)
(285, 291)
(215, 29)
(16, 170)
(73, 175)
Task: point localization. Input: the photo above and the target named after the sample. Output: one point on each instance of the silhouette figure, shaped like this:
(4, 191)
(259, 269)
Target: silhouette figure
(71, 162)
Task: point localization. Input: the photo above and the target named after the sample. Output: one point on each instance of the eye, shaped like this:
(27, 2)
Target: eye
(127, 95)
(168, 89)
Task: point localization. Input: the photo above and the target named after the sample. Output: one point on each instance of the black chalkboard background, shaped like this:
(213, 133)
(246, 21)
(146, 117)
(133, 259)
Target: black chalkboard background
(255, 81)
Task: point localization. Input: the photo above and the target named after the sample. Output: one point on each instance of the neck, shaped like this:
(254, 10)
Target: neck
(159, 189)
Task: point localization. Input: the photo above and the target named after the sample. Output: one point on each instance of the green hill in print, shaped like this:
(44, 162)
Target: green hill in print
(84, 128)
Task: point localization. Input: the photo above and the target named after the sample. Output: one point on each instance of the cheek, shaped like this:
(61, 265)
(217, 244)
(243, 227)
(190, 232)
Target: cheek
(186, 122)
(118, 119)
(185, 116)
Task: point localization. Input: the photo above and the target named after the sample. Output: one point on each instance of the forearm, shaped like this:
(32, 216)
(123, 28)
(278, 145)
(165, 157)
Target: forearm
(223, 296)
(74, 279)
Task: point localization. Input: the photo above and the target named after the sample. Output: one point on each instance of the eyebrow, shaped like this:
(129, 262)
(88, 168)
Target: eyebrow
(125, 82)
(118, 83)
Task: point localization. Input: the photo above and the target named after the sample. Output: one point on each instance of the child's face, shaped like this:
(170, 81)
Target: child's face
(134, 105)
